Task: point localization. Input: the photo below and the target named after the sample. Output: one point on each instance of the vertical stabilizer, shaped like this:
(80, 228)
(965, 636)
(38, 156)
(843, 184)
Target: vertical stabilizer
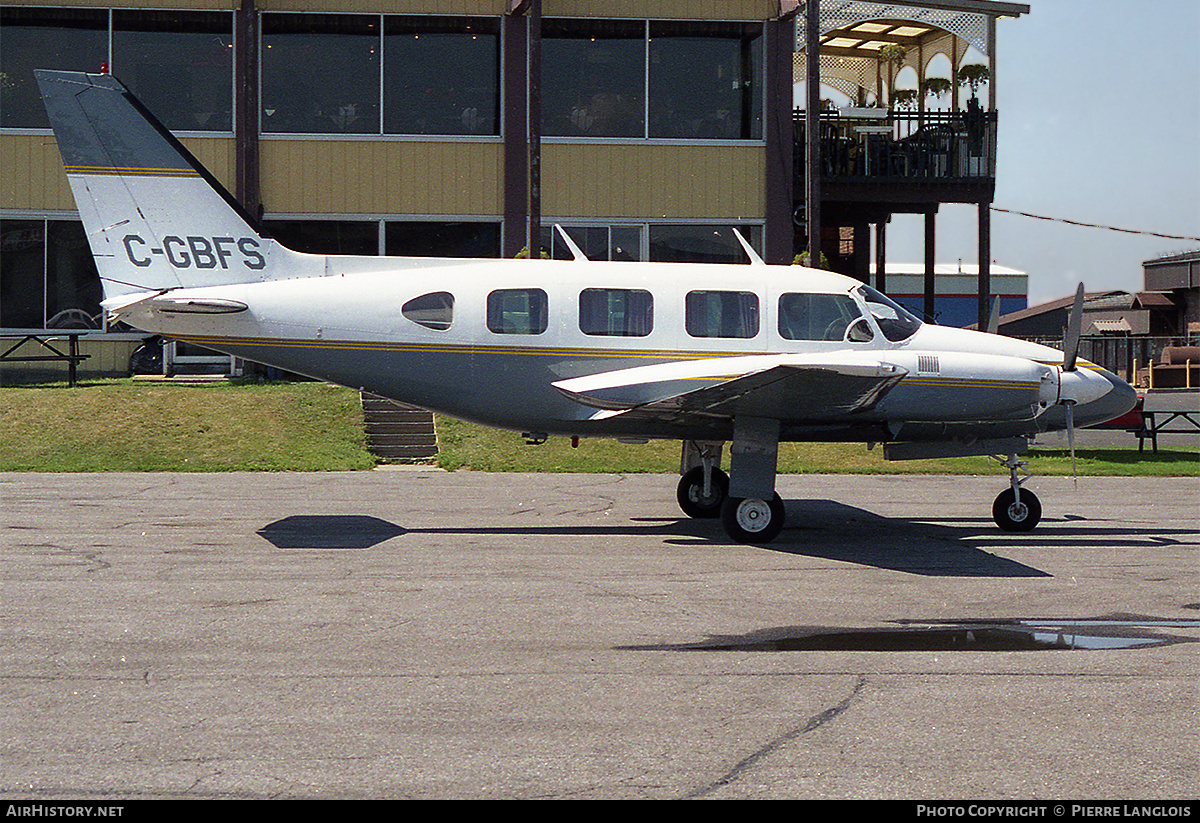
(155, 218)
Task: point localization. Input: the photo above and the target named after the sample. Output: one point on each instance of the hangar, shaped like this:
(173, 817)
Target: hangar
(468, 128)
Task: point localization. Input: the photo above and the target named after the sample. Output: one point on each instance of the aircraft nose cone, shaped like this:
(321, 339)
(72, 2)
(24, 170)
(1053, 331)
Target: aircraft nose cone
(1119, 398)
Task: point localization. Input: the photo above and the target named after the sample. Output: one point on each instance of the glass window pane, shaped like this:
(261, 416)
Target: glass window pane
(22, 274)
(706, 80)
(34, 38)
(701, 244)
(433, 311)
(593, 78)
(517, 311)
(721, 314)
(72, 283)
(816, 316)
(327, 236)
(441, 75)
(450, 239)
(616, 312)
(320, 73)
(179, 64)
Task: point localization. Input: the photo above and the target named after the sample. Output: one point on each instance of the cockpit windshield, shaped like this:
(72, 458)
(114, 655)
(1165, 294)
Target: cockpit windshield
(895, 321)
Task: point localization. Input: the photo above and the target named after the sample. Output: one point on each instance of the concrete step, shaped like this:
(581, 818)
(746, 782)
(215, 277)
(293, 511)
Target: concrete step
(397, 431)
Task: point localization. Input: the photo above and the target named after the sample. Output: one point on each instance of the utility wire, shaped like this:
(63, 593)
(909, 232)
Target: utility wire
(1095, 225)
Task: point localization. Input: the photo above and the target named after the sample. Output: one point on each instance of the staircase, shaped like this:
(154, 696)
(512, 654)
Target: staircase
(396, 431)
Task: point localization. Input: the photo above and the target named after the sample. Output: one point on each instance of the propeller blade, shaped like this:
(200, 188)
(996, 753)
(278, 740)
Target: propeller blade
(1071, 439)
(994, 320)
(1074, 327)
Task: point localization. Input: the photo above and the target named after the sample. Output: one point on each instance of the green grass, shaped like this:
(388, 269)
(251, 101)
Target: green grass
(466, 445)
(127, 425)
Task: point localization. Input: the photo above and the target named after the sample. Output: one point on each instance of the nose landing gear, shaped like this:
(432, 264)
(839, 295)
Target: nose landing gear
(1016, 509)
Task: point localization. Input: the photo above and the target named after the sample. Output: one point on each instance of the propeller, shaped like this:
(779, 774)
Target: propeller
(993, 325)
(1070, 355)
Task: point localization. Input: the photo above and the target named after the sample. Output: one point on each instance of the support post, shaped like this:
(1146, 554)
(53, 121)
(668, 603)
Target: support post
(535, 129)
(930, 262)
(516, 141)
(247, 188)
(985, 262)
(779, 136)
(812, 129)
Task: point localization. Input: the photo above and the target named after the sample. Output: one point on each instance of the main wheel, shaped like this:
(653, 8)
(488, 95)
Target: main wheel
(690, 493)
(750, 520)
(1015, 515)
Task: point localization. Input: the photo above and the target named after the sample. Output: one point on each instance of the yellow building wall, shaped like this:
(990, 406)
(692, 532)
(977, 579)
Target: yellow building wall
(381, 177)
(32, 174)
(653, 181)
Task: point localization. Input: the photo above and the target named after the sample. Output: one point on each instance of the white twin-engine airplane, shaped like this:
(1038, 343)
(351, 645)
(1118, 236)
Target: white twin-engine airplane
(752, 355)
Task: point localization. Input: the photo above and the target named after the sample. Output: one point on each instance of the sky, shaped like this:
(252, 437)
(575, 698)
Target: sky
(1099, 118)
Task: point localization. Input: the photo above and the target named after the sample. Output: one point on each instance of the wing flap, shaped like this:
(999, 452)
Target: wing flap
(785, 387)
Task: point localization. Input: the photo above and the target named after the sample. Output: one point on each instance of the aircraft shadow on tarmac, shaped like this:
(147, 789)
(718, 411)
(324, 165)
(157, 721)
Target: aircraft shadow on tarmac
(817, 528)
(942, 547)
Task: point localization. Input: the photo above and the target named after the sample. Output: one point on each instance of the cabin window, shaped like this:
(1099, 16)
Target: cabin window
(517, 311)
(722, 314)
(616, 312)
(807, 316)
(433, 311)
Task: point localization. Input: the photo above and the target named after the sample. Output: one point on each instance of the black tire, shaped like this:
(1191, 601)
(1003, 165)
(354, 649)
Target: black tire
(1012, 517)
(749, 520)
(690, 493)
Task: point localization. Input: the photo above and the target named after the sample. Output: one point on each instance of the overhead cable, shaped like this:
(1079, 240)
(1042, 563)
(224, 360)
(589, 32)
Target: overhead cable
(1095, 225)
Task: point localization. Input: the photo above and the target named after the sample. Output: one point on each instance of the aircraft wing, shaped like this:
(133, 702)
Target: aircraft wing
(790, 387)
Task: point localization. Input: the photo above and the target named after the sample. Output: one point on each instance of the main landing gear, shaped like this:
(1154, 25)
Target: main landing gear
(752, 512)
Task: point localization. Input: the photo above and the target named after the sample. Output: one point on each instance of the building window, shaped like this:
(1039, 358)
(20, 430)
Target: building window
(441, 75)
(721, 314)
(442, 239)
(327, 236)
(179, 64)
(596, 242)
(48, 279)
(517, 311)
(701, 244)
(593, 78)
(39, 38)
(320, 73)
(616, 312)
(706, 80)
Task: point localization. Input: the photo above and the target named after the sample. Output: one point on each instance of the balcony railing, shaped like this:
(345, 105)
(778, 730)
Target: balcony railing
(882, 145)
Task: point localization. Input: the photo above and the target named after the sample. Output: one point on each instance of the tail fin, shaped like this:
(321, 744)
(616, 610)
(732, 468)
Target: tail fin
(155, 218)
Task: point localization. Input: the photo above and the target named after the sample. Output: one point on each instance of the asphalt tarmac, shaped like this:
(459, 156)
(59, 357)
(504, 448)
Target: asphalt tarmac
(417, 634)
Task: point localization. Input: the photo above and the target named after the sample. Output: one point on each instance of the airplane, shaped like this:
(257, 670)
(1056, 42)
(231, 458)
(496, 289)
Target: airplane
(707, 354)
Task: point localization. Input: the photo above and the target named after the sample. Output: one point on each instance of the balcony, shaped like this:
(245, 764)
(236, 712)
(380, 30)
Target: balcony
(881, 156)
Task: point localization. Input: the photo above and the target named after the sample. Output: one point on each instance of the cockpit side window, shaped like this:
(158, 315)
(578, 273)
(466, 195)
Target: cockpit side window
(433, 311)
(893, 320)
(808, 316)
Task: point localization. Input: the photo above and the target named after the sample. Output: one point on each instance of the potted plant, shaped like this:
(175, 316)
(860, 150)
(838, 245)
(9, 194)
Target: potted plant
(935, 87)
(973, 76)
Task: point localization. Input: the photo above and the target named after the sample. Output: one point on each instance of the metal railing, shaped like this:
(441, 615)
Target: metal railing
(900, 145)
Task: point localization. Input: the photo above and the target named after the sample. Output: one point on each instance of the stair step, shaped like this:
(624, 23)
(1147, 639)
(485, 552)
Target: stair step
(396, 430)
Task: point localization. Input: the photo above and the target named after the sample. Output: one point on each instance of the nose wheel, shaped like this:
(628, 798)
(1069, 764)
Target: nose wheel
(1016, 509)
